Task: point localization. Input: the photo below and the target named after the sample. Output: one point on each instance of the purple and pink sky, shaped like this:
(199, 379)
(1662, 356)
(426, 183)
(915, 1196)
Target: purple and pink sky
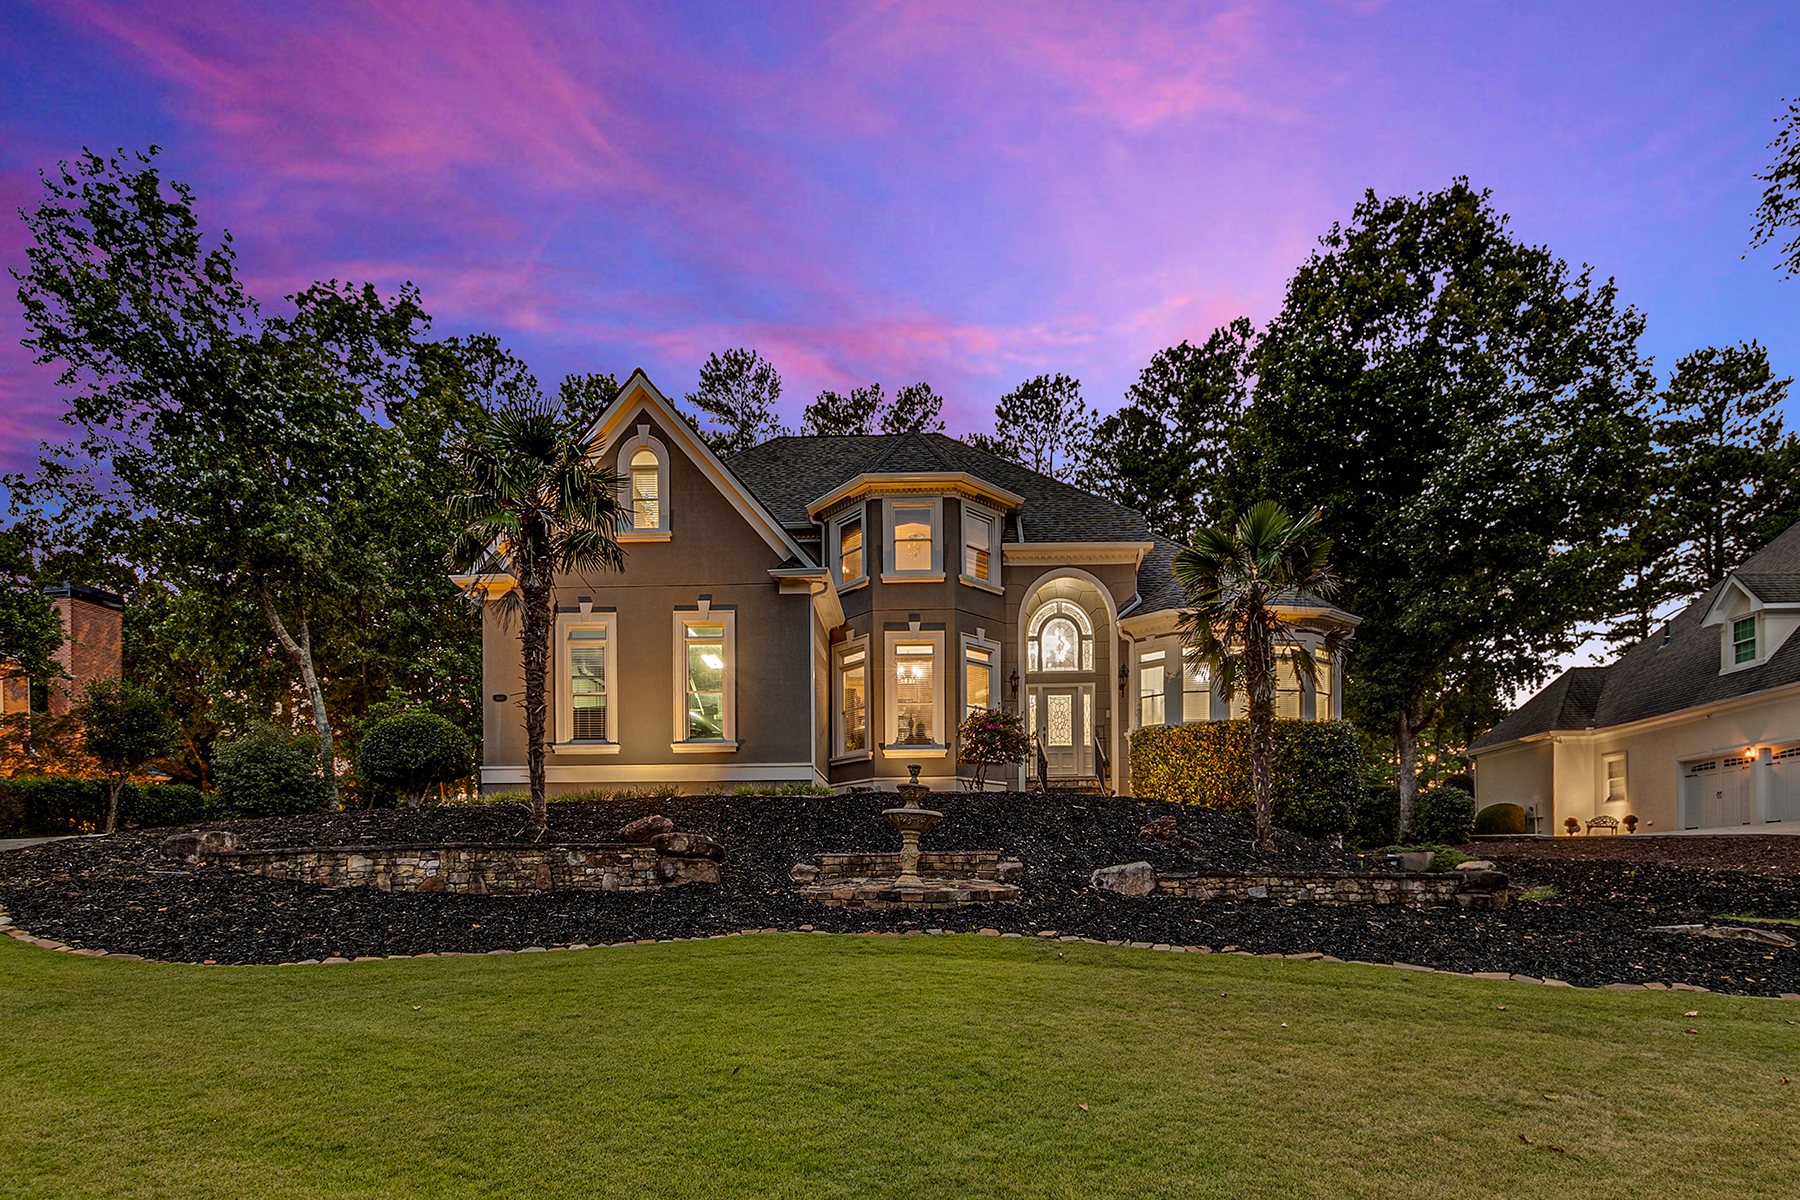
(962, 192)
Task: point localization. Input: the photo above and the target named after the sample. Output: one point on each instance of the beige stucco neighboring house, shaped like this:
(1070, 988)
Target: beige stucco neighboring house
(827, 609)
(1695, 727)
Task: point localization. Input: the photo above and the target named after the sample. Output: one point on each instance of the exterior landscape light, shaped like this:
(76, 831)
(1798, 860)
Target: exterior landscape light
(1749, 751)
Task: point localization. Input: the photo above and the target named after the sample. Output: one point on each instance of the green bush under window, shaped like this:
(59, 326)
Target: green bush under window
(1318, 770)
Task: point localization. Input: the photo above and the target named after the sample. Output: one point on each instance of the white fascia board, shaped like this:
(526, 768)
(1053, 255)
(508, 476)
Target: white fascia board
(817, 582)
(1715, 615)
(1077, 553)
(951, 482)
(1698, 711)
(677, 428)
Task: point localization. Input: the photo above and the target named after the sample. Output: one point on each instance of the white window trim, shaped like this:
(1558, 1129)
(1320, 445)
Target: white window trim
(995, 556)
(890, 705)
(1189, 660)
(860, 512)
(1730, 648)
(682, 744)
(978, 641)
(843, 651)
(1606, 760)
(1332, 697)
(565, 702)
(891, 575)
(627, 531)
(1161, 665)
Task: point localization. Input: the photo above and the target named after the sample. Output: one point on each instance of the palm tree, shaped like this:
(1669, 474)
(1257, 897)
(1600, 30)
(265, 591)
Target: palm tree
(534, 504)
(1233, 578)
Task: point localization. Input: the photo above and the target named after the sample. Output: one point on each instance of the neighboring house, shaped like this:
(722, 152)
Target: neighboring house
(93, 624)
(827, 609)
(1695, 727)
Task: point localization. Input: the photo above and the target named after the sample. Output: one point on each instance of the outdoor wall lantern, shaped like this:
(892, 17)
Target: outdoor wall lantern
(1012, 681)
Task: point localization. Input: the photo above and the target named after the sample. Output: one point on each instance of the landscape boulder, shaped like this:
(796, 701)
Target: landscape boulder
(687, 845)
(1483, 881)
(1766, 937)
(676, 871)
(1128, 879)
(1474, 864)
(803, 873)
(1009, 870)
(644, 830)
(191, 846)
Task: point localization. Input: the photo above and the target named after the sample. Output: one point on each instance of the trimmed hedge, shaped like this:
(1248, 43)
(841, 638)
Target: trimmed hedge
(63, 805)
(1443, 816)
(269, 773)
(1318, 770)
(409, 754)
(1501, 818)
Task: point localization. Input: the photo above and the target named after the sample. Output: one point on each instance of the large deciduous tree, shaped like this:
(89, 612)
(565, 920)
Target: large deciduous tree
(241, 440)
(1165, 452)
(30, 631)
(1470, 415)
(534, 504)
(1234, 577)
(736, 398)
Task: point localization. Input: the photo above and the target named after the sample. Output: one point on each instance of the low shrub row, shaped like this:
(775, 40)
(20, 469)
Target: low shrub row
(58, 806)
(1318, 770)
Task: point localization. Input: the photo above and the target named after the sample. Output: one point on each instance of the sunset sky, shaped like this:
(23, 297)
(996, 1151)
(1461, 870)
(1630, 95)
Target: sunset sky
(964, 193)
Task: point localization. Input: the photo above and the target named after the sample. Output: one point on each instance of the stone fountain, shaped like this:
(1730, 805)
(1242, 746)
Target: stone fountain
(913, 823)
(863, 879)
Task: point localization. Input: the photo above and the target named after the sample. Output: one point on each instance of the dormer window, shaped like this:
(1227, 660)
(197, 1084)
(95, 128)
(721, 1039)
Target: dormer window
(1743, 640)
(644, 475)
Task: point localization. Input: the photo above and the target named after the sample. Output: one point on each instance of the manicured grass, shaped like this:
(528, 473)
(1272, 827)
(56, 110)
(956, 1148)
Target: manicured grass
(806, 1066)
(1760, 920)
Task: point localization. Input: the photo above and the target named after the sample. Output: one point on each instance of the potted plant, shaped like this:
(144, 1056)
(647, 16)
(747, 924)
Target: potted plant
(1572, 825)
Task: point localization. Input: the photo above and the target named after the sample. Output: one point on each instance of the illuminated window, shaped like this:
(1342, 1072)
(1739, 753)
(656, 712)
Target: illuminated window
(979, 660)
(914, 551)
(585, 701)
(1152, 694)
(981, 543)
(705, 662)
(646, 486)
(853, 701)
(644, 500)
(1322, 666)
(1061, 639)
(1196, 689)
(850, 549)
(915, 694)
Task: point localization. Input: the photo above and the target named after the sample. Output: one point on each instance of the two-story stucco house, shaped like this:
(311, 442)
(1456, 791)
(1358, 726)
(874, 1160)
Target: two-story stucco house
(1695, 727)
(827, 609)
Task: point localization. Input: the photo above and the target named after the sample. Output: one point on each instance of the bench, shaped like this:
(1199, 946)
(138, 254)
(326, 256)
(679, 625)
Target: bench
(1610, 824)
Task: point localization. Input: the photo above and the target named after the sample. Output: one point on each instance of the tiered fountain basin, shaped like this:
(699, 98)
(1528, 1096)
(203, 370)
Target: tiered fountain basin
(945, 879)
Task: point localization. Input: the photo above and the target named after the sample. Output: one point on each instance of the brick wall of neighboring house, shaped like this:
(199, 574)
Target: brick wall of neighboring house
(15, 696)
(93, 640)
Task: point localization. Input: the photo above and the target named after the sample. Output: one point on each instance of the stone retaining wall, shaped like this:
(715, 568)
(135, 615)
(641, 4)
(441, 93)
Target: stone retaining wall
(945, 864)
(473, 868)
(1409, 889)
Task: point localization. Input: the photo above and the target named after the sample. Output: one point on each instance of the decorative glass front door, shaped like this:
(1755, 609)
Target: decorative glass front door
(1063, 718)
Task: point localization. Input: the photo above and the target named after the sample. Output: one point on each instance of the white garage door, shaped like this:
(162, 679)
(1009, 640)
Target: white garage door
(1784, 783)
(1717, 792)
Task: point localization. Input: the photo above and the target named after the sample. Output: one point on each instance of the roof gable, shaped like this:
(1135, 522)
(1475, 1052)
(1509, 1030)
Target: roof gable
(637, 392)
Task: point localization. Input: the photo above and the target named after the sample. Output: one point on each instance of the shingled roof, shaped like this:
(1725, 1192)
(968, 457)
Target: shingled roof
(1659, 675)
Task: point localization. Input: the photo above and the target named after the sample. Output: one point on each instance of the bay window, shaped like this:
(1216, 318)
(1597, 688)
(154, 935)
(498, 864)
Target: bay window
(980, 661)
(850, 549)
(981, 538)
(917, 703)
(1152, 696)
(1322, 667)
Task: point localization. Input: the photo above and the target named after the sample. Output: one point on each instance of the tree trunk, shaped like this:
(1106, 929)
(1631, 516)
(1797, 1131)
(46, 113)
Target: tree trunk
(112, 804)
(534, 643)
(1407, 740)
(1259, 670)
(300, 650)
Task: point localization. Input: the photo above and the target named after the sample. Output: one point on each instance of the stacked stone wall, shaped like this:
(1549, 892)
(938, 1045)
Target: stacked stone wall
(475, 869)
(946, 864)
(1420, 890)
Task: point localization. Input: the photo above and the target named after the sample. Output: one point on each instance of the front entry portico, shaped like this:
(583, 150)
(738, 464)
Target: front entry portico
(1062, 716)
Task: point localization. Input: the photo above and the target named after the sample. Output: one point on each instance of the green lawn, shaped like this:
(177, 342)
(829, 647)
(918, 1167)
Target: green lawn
(804, 1066)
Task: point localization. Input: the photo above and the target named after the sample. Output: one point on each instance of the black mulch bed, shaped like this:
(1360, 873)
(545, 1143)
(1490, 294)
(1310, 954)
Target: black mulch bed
(120, 895)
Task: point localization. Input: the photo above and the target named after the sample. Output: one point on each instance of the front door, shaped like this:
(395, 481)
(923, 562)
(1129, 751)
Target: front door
(1063, 718)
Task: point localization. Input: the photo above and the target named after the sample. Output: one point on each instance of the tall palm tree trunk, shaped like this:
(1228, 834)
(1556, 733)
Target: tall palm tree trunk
(534, 644)
(1260, 670)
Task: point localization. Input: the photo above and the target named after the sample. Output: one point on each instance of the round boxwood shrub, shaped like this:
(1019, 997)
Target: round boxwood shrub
(1318, 770)
(411, 753)
(1442, 816)
(268, 773)
(1500, 819)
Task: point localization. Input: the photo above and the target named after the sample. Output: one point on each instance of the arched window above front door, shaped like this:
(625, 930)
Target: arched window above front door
(644, 477)
(1062, 639)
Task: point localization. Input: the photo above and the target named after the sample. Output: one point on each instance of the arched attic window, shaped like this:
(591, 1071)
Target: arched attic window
(1062, 639)
(644, 472)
